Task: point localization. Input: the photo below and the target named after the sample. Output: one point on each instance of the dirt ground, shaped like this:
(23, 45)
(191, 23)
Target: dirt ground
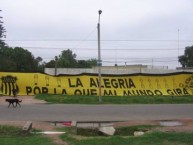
(186, 124)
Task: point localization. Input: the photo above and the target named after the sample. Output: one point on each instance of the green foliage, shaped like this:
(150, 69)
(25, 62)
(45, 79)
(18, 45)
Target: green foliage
(10, 135)
(129, 131)
(18, 59)
(51, 64)
(86, 63)
(151, 138)
(24, 59)
(25, 140)
(2, 31)
(67, 59)
(9, 130)
(120, 131)
(65, 99)
(186, 60)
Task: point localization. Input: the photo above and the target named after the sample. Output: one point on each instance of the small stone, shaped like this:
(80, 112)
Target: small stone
(138, 133)
(107, 130)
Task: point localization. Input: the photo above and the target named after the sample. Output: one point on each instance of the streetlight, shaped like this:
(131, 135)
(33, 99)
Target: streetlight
(56, 64)
(99, 56)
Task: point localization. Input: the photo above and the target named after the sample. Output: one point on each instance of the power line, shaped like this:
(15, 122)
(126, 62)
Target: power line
(159, 59)
(119, 40)
(95, 49)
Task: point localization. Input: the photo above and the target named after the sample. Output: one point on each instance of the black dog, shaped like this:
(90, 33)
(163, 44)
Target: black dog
(12, 101)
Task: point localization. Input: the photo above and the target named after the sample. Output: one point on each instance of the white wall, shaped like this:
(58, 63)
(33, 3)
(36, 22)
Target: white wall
(114, 70)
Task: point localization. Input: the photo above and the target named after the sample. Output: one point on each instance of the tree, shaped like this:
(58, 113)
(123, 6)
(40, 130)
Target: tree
(2, 31)
(24, 59)
(18, 59)
(82, 63)
(6, 62)
(50, 64)
(186, 60)
(92, 62)
(86, 63)
(67, 59)
(40, 64)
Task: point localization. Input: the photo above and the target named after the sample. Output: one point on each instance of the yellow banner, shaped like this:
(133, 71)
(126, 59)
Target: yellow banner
(87, 84)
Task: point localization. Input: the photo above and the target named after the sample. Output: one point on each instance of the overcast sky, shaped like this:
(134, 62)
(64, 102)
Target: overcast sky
(132, 31)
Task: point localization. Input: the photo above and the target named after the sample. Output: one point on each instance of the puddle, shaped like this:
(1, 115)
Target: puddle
(170, 123)
(49, 132)
(86, 124)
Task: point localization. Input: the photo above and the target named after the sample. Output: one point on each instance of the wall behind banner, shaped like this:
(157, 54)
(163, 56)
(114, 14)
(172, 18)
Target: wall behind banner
(87, 84)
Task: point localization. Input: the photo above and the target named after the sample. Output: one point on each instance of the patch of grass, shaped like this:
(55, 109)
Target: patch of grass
(9, 130)
(128, 131)
(120, 131)
(66, 99)
(152, 138)
(10, 135)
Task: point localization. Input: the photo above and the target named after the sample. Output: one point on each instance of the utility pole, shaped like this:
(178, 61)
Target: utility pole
(56, 65)
(178, 44)
(99, 57)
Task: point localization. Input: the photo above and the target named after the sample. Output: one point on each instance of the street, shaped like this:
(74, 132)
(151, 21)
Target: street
(61, 112)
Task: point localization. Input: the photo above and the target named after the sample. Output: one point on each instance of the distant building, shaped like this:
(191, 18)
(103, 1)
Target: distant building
(185, 68)
(126, 69)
